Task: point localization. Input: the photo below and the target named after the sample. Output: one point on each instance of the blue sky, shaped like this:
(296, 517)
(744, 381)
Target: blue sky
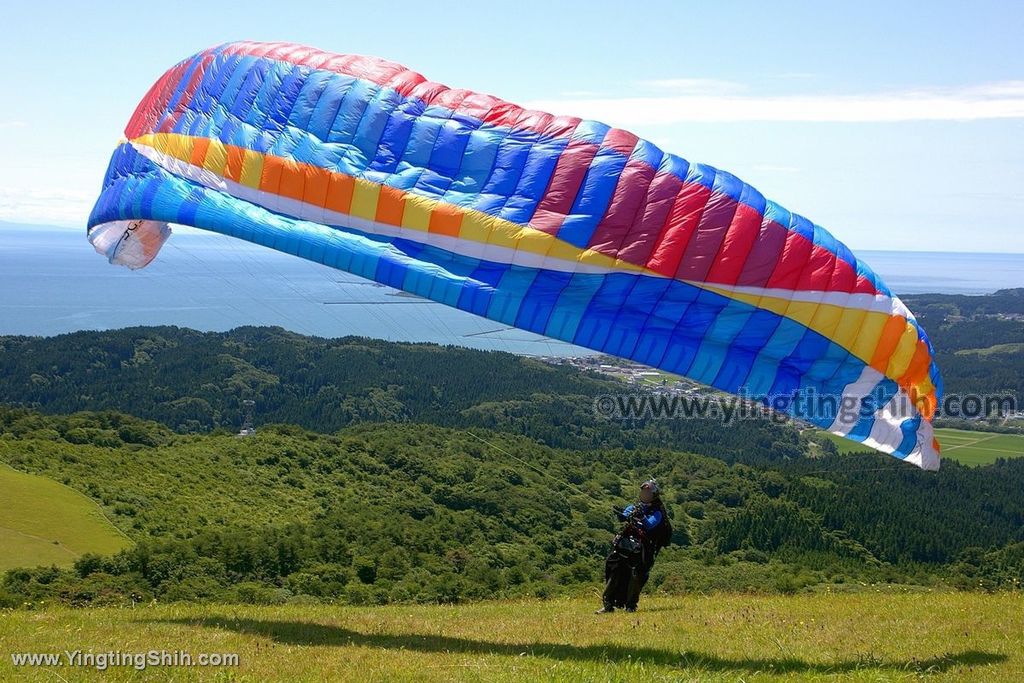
(895, 125)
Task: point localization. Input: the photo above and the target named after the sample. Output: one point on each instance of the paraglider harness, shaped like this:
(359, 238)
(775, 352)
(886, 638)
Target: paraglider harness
(630, 540)
(633, 540)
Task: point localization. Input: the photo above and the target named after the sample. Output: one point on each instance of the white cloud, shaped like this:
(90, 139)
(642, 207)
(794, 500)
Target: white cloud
(12, 124)
(573, 94)
(694, 86)
(703, 100)
(56, 207)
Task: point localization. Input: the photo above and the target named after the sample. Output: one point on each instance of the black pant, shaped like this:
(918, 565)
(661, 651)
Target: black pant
(625, 576)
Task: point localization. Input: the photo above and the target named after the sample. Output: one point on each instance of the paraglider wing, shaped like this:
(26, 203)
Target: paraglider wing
(552, 224)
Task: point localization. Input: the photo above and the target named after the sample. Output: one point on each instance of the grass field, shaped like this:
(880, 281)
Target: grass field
(967, 447)
(991, 350)
(979, 448)
(862, 637)
(43, 522)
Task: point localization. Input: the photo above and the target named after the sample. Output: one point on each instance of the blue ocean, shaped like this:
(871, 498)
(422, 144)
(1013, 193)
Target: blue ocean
(52, 282)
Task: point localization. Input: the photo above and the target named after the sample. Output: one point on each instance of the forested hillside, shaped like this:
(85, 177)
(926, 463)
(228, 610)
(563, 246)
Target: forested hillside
(398, 512)
(194, 382)
(979, 340)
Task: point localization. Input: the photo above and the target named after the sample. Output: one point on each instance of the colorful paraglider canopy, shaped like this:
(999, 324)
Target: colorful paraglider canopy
(561, 226)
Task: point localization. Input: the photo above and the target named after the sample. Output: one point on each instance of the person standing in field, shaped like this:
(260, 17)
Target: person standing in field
(646, 530)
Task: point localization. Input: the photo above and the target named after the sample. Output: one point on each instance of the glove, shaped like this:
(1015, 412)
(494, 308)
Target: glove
(619, 513)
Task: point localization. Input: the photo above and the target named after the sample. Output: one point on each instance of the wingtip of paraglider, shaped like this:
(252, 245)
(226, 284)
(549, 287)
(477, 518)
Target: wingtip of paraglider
(930, 461)
(130, 243)
(927, 454)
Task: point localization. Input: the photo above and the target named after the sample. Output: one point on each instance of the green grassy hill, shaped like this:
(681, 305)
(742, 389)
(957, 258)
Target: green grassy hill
(45, 523)
(825, 637)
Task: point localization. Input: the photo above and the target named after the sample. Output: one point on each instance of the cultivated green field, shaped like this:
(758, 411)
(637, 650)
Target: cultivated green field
(979, 448)
(967, 447)
(45, 523)
(862, 637)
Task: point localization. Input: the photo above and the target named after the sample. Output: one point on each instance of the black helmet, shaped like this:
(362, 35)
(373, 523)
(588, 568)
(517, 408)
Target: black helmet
(649, 491)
